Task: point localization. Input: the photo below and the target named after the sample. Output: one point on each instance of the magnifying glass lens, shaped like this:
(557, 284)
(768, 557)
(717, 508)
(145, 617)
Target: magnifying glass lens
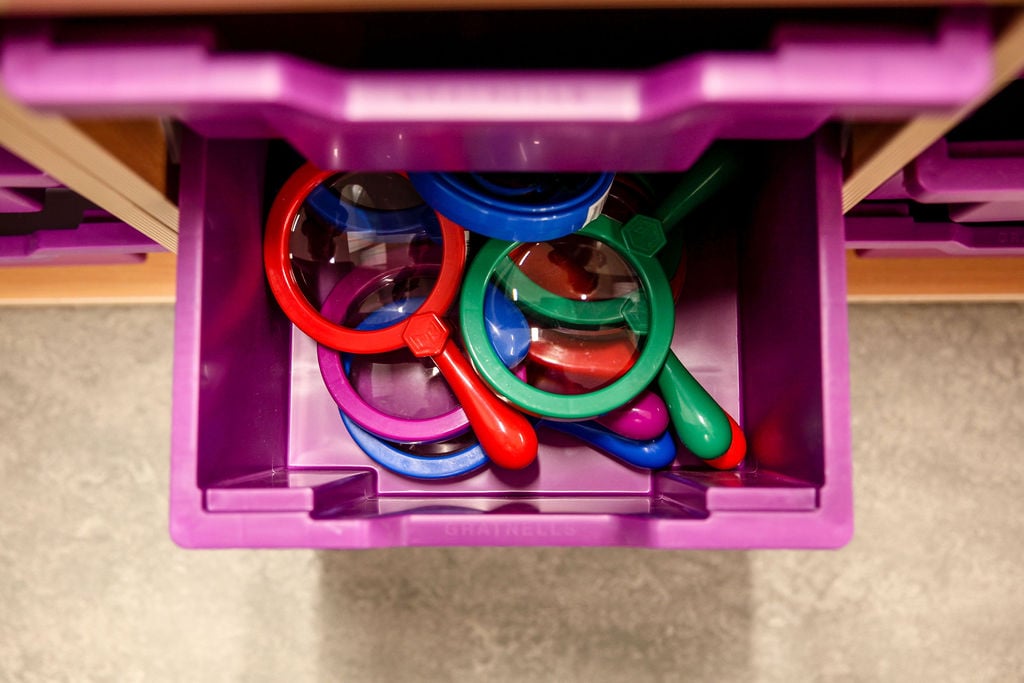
(438, 449)
(397, 383)
(401, 385)
(360, 220)
(627, 198)
(585, 307)
(393, 297)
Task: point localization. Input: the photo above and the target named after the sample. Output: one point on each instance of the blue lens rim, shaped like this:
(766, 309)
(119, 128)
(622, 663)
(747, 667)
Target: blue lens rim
(392, 458)
(493, 214)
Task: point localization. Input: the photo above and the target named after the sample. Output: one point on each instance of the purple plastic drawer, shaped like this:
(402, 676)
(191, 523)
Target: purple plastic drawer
(65, 229)
(21, 185)
(888, 228)
(260, 457)
(981, 181)
(655, 118)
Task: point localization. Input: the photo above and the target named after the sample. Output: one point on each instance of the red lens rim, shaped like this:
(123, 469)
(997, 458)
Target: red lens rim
(281, 277)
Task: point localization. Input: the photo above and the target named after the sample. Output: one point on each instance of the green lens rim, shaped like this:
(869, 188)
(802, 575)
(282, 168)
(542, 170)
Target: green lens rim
(540, 302)
(560, 406)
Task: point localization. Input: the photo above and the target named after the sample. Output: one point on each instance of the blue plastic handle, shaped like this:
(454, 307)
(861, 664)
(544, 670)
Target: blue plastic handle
(652, 454)
(507, 328)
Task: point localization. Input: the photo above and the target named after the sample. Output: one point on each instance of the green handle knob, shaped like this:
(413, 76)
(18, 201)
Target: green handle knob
(701, 424)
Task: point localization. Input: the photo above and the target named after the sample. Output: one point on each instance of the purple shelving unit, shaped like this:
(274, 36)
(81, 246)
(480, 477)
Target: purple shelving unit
(259, 456)
(43, 223)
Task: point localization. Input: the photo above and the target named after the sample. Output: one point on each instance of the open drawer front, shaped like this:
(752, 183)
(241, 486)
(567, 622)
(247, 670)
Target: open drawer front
(260, 457)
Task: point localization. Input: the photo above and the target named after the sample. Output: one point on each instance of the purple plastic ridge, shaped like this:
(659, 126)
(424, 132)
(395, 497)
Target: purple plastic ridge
(896, 233)
(981, 181)
(98, 239)
(101, 242)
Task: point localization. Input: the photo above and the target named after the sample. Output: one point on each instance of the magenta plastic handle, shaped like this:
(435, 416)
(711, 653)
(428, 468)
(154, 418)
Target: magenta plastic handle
(642, 419)
(659, 118)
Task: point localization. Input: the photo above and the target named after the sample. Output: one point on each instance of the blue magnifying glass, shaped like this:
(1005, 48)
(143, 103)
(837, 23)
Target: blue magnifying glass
(517, 207)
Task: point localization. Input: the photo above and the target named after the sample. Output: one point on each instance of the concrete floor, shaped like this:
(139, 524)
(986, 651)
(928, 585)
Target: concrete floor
(931, 588)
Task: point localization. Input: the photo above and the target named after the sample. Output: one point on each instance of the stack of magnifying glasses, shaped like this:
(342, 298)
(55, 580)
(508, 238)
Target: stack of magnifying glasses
(562, 321)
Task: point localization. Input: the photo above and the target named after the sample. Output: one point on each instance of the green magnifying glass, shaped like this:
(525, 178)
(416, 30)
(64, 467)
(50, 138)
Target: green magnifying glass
(623, 319)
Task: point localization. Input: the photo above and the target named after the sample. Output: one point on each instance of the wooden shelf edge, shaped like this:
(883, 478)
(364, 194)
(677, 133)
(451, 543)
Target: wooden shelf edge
(149, 282)
(869, 280)
(919, 280)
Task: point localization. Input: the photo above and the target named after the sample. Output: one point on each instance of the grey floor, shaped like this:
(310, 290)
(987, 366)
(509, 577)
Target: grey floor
(931, 588)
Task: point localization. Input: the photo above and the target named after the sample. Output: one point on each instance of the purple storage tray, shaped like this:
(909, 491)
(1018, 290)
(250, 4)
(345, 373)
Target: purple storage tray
(887, 228)
(260, 458)
(981, 181)
(66, 230)
(659, 118)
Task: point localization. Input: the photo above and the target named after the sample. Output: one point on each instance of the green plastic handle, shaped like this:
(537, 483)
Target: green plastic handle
(714, 168)
(701, 424)
(646, 235)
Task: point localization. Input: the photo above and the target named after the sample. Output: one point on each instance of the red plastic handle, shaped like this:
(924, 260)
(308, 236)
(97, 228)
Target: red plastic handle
(506, 436)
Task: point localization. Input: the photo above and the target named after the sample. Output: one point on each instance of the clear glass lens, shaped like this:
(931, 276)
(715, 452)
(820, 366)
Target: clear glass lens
(397, 383)
(368, 221)
(585, 308)
(402, 385)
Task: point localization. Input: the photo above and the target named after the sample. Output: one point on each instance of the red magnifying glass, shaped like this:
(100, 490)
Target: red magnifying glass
(372, 220)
